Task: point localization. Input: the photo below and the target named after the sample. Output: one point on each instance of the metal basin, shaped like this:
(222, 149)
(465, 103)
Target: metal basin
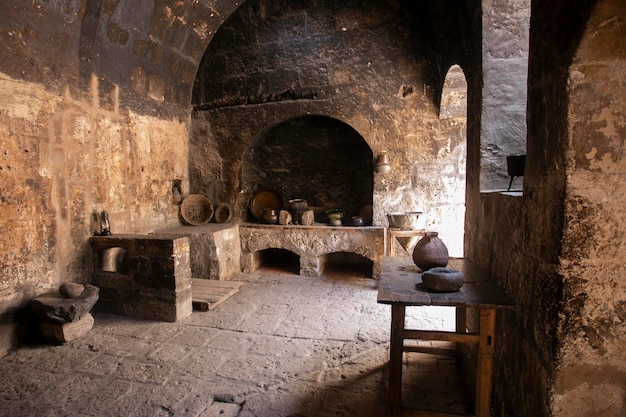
(404, 220)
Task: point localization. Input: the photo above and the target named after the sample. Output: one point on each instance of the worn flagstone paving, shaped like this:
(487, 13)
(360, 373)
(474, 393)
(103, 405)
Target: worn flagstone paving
(284, 345)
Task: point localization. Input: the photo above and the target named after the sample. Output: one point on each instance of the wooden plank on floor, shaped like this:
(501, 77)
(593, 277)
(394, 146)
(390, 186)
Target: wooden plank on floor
(206, 294)
(408, 412)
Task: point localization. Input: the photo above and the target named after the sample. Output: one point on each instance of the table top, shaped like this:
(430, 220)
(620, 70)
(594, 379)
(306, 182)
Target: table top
(401, 283)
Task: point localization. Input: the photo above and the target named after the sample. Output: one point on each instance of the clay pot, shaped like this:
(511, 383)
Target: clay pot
(223, 213)
(296, 208)
(357, 221)
(404, 220)
(382, 165)
(430, 252)
(335, 214)
(269, 216)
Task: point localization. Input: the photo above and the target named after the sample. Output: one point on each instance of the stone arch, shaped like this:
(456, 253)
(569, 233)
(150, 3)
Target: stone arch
(263, 68)
(146, 51)
(277, 259)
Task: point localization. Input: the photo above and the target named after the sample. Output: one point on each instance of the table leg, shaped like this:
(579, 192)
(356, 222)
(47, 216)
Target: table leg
(395, 360)
(388, 242)
(460, 327)
(461, 320)
(484, 371)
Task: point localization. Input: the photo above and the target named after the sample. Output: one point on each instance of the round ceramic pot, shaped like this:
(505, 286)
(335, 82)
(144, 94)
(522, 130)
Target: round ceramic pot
(357, 221)
(296, 208)
(430, 252)
(270, 216)
(335, 214)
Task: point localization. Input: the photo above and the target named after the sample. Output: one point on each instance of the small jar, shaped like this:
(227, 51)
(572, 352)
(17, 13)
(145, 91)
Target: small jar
(382, 165)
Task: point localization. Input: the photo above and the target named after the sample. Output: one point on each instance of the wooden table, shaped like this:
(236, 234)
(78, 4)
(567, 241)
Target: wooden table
(401, 286)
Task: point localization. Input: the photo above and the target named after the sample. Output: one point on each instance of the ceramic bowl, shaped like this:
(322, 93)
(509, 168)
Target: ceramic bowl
(335, 214)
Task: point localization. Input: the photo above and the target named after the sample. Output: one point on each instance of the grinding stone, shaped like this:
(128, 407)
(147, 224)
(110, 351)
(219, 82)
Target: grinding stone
(443, 279)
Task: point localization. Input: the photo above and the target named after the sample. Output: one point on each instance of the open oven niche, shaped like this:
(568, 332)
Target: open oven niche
(316, 158)
(347, 265)
(278, 260)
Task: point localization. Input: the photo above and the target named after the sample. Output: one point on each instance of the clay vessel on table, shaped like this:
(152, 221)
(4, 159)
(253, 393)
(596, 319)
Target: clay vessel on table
(430, 252)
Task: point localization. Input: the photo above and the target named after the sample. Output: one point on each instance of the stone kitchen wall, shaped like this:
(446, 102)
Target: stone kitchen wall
(89, 121)
(557, 249)
(591, 370)
(63, 162)
(505, 68)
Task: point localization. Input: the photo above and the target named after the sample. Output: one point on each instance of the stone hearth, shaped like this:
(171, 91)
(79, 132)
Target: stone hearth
(313, 244)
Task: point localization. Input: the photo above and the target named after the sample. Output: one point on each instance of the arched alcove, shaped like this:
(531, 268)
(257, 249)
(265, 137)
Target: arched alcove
(454, 94)
(317, 158)
(453, 113)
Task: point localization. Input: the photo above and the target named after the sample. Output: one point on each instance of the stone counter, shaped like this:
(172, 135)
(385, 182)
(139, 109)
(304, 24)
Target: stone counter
(150, 279)
(214, 248)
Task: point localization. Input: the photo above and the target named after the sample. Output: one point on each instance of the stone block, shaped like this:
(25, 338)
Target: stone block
(66, 332)
(284, 217)
(308, 218)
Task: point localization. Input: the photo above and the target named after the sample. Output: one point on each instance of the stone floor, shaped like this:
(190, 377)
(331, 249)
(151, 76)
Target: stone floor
(283, 346)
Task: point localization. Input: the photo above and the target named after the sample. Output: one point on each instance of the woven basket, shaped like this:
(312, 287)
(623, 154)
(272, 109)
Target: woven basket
(223, 213)
(196, 209)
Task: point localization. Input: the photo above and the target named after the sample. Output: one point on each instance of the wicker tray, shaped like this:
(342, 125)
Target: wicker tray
(196, 209)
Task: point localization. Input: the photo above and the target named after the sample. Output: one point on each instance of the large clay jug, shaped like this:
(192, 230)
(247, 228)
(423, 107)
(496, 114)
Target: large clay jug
(430, 252)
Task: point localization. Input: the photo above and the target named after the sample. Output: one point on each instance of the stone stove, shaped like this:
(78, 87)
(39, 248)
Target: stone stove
(328, 164)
